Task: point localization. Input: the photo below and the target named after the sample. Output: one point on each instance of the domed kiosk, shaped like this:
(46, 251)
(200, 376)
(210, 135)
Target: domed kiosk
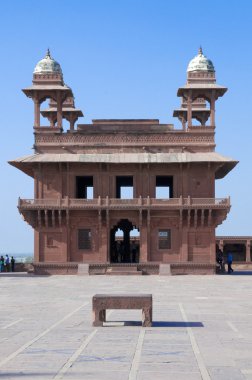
(200, 88)
(48, 84)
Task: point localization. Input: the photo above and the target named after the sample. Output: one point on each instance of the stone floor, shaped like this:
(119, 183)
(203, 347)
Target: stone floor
(202, 329)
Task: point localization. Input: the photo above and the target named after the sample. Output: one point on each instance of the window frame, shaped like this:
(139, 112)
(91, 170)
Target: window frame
(89, 240)
(169, 238)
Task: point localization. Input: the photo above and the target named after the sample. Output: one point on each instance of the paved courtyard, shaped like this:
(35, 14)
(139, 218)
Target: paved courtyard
(202, 329)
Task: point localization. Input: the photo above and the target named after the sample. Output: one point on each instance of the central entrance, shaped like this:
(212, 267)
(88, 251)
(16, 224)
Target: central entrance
(124, 243)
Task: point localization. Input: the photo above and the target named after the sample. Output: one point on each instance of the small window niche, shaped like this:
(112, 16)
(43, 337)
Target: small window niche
(164, 187)
(164, 239)
(84, 187)
(124, 187)
(84, 239)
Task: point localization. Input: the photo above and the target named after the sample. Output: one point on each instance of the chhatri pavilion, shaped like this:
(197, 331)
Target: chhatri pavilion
(149, 181)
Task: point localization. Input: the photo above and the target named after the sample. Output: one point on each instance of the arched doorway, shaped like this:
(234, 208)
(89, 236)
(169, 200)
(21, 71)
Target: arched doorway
(124, 242)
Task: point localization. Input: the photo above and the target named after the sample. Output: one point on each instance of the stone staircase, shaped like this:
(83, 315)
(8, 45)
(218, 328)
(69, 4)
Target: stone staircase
(123, 271)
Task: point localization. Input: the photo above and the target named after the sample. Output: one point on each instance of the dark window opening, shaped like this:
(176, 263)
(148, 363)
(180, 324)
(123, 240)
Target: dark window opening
(164, 239)
(84, 239)
(164, 187)
(124, 187)
(84, 187)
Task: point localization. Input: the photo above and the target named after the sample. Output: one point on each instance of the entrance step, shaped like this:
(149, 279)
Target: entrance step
(123, 271)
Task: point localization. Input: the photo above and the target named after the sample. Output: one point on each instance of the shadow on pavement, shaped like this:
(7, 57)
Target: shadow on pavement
(241, 273)
(154, 324)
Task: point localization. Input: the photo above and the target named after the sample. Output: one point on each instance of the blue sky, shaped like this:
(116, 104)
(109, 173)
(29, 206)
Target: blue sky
(125, 59)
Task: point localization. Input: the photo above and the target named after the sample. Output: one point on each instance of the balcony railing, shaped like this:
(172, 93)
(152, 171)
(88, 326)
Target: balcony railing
(115, 203)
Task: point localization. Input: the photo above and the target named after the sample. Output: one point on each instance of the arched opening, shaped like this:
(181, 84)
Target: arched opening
(124, 242)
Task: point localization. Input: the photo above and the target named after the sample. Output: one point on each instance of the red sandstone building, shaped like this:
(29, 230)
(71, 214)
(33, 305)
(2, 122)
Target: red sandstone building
(94, 179)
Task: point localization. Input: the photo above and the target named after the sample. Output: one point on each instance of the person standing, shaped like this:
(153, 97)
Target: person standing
(2, 263)
(12, 264)
(7, 263)
(220, 260)
(229, 262)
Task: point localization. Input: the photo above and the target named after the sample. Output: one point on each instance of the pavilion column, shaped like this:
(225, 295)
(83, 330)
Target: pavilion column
(143, 258)
(72, 121)
(212, 108)
(248, 258)
(36, 113)
(59, 110)
(52, 123)
(189, 108)
(183, 122)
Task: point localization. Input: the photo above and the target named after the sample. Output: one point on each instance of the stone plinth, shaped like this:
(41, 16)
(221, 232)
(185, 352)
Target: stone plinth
(102, 302)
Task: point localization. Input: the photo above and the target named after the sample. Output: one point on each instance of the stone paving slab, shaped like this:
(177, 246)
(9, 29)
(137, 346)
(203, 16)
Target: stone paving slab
(202, 329)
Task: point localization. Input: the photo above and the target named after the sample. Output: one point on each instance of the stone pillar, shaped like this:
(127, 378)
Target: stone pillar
(36, 247)
(72, 120)
(189, 108)
(36, 113)
(108, 234)
(64, 244)
(59, 110)
(183, 123)
(212, 108)
(103, 244)
(184, 245)
(212, 253)
(143, 244)
(248, 258)
(68, 244)
(52, 123)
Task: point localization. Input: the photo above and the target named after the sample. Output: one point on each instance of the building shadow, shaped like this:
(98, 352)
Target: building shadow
(154, 324)
(241, 273)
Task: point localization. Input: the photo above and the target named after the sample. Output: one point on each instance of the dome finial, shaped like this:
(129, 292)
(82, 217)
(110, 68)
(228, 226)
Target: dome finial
(200, 51)
(48, 54)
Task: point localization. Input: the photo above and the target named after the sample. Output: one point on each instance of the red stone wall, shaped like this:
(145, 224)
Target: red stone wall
(61, 244)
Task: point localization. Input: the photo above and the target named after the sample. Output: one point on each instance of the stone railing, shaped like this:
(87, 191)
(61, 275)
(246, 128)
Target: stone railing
(201, 128)
(115, 203)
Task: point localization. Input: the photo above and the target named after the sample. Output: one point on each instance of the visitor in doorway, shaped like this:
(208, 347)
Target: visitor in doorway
(121, 253)
(117, 252)
(220, 260)
(7, 263)
(229, 262)
(2, 263)
(12, 264)
(133, 251)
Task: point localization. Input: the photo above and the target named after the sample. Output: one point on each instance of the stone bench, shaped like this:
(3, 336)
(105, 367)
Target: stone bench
(102, 302)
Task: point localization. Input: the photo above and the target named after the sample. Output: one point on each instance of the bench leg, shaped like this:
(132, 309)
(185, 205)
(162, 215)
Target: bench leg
(147, 316)
(99, 316)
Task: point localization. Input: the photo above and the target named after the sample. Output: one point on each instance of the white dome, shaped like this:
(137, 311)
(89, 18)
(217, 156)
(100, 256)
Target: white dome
(47, 65)
(200, 63)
